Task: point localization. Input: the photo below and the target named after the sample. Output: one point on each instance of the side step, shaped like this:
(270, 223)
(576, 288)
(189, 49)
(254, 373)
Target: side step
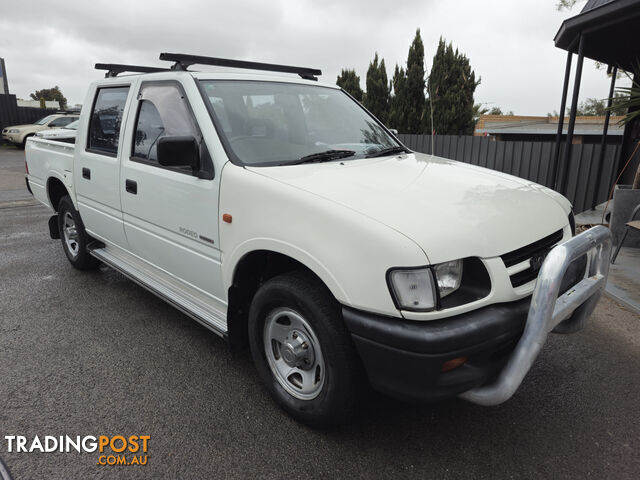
(203, 314)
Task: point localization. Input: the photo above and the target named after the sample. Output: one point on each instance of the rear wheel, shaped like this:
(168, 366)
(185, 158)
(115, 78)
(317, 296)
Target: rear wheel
(73, 236)
(302, 350)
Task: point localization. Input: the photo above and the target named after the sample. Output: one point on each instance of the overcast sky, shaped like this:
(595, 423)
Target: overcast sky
(509, 43)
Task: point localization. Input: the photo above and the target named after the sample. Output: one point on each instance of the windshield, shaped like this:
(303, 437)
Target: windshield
(270, 123)
(44, 120)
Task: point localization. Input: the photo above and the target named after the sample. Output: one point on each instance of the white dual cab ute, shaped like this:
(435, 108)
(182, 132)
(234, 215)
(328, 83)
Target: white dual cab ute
(278, 212)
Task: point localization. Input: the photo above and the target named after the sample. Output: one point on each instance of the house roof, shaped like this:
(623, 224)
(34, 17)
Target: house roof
(610, 29)
(549, 129)
(517, 125)
(591, 4)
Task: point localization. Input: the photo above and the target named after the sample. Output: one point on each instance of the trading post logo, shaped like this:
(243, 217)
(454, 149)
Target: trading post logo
(111, 450)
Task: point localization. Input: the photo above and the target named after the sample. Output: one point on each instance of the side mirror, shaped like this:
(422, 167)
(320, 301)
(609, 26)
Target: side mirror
(179, 152)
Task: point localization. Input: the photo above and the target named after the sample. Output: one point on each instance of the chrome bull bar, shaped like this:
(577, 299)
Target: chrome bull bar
(548, 312)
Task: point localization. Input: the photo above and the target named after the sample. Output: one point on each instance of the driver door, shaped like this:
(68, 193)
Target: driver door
(170, 215)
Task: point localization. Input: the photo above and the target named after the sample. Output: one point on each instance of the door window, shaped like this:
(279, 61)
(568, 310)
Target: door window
(106, 119)
(162, 112)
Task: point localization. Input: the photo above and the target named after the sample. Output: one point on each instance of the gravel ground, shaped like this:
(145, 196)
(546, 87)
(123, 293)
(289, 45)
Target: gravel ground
(94, 354)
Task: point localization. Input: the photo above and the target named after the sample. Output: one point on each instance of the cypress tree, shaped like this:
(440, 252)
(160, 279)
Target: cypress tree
(415, 102)
(397, 101)
(452, 84)
(376, 99)
(350, 82)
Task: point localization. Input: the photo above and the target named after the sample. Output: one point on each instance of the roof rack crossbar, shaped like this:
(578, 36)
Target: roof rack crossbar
(184, 61)
(113, 69)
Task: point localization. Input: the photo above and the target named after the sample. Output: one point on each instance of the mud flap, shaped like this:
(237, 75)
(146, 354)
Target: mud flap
(53, 227)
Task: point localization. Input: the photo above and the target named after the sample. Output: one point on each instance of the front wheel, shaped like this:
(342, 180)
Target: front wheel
(302, 350)
(23, 145)
(74, 237)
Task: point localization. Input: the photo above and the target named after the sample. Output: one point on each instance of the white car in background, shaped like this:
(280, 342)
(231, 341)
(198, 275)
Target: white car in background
(66, 134)
(18, 134)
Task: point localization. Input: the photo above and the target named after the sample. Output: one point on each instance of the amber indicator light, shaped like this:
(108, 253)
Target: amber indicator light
(453, 363)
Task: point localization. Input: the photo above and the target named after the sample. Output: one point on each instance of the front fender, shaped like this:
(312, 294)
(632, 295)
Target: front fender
(350, 252)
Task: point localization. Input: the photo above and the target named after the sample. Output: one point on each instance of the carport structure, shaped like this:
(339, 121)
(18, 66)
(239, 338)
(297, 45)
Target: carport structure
(606, 31)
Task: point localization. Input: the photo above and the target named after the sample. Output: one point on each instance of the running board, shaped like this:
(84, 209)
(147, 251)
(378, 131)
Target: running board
(213, 320)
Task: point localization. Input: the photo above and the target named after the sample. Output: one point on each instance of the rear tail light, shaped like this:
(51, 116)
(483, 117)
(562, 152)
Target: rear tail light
(26, 166)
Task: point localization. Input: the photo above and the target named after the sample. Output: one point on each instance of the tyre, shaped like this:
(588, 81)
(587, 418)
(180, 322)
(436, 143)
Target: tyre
(303, 351)
(23, 145)
(73, 236)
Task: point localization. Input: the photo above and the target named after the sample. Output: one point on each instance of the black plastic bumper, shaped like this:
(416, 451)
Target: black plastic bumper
(26, 179)
(404, 358)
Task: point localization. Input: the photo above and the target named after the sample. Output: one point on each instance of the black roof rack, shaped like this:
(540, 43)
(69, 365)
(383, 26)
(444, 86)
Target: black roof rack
(113, 69)
(184, 61)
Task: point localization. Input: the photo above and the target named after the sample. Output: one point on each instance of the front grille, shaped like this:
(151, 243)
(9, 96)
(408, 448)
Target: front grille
(536, 250)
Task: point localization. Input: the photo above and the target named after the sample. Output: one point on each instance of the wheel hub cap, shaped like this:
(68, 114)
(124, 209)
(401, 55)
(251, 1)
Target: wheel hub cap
(297, 351)
(70, 233)
(293, 352)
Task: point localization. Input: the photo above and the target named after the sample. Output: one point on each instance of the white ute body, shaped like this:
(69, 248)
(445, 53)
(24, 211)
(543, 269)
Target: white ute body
(366, 223)
(348, 223)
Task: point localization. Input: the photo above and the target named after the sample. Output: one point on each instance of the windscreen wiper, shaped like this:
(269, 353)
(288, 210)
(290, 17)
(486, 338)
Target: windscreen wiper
(388, 151)
(325, 156)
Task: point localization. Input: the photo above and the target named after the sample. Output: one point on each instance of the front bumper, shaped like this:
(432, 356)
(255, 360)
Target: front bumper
(10, 137)
(500, 342)
(404, 358)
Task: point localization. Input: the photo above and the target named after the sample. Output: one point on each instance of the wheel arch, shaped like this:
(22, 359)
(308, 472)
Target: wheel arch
(56, 189)
(250, 271)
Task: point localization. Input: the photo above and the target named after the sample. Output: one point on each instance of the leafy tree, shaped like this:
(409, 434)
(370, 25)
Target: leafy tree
(452, 84)
(598, 107)
(565, 4)
(398, 100)
(50, 94)
(350, 82)
(479, 110)
(415, 101)
(594, 107)
(495, 111)
(630, 102)
(376, 100)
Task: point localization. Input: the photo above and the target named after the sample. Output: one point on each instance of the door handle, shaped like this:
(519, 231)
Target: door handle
(86, 173)
(131, 186)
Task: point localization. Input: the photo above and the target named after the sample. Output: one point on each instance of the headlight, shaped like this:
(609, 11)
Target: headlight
(14, 130)
(449, 276)
(413, 289)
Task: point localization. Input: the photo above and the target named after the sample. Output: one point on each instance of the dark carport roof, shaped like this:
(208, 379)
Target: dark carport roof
(611, 29)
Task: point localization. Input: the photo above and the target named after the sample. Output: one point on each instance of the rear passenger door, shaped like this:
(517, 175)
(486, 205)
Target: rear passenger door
(171, 213)
(96, 165)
